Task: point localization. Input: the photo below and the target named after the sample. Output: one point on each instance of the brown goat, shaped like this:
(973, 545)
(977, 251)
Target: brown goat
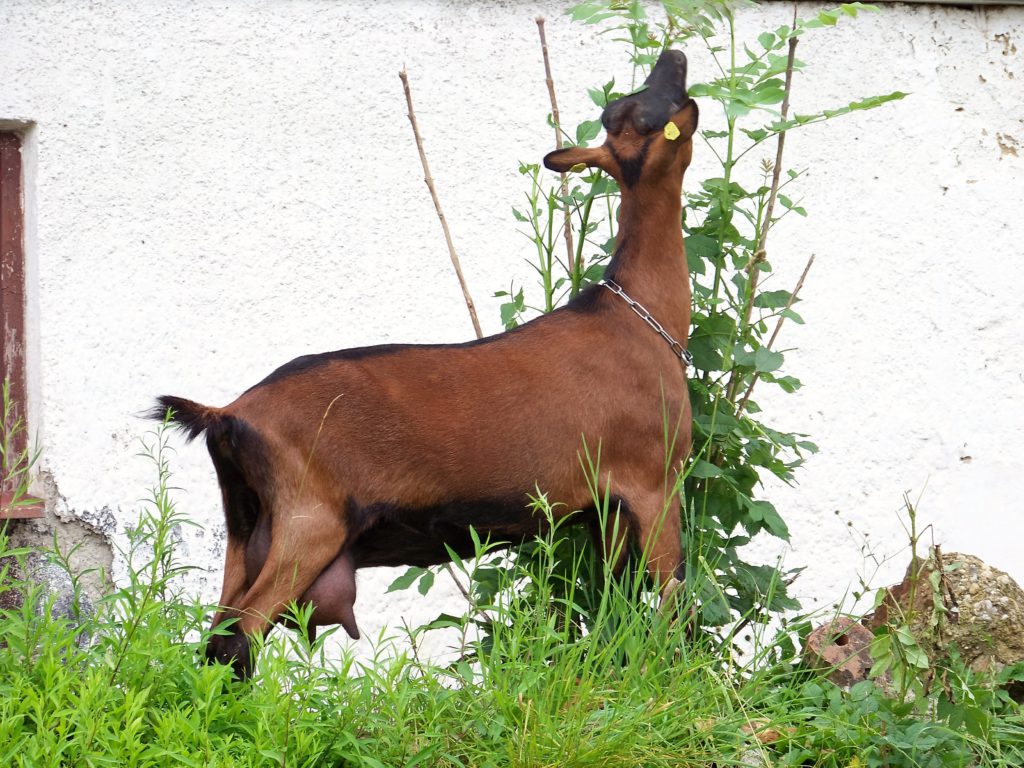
(383, 455)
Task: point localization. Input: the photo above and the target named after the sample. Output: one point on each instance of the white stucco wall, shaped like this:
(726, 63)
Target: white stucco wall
(221, 186)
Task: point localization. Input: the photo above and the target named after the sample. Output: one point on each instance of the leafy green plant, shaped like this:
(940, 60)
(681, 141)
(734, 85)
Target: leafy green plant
(633, 690)
(536, 693)
(897, 650)
(17, 458)
(736, 321)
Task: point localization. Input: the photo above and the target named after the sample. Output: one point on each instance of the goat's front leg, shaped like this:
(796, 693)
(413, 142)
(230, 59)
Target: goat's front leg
(659, 528)
(304, 543)
(658, 531)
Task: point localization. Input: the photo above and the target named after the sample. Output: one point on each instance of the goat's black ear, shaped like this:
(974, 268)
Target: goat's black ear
(685, 120)
(562, 160)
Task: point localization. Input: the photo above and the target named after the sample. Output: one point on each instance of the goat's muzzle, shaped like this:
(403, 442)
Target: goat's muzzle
(234, 649)
(649, 109)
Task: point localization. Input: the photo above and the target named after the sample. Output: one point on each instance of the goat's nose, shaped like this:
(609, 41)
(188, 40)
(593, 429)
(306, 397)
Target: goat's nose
(615, 115)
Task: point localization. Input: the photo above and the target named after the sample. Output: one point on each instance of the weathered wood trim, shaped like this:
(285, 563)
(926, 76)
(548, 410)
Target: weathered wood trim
(12, 301)
(31, 508)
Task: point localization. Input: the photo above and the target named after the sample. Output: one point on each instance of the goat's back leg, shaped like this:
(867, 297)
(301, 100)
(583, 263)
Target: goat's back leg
(235, 583)
(305, 540)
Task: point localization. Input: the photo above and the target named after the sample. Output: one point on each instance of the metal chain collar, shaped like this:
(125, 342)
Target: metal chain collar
(681, 352)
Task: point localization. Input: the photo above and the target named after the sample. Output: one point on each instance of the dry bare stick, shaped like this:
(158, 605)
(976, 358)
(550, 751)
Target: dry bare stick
(437, 205)
(775, 333)
(777, 170)
(762, 238)
(570, 250)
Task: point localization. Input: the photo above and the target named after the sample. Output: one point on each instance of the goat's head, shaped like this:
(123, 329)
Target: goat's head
(641, 144)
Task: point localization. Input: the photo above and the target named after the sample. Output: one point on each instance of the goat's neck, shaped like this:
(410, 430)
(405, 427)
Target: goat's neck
(650, 262)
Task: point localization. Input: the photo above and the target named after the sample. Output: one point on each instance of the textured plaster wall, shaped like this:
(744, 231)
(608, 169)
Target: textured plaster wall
(218, 187)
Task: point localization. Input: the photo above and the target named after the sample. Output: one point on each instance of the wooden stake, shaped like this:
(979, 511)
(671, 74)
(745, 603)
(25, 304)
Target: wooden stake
(437, 206)
(556, 119)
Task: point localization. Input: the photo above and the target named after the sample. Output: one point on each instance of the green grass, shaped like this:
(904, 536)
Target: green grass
(125, 687)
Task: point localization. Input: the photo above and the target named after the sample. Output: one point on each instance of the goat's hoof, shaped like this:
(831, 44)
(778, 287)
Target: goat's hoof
(670, 588)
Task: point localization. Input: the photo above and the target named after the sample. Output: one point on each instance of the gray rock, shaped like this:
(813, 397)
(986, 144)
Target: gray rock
(971, 606)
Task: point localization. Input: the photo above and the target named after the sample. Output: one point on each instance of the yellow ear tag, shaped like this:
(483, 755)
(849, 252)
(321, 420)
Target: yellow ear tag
(671, 131)
(578, 168)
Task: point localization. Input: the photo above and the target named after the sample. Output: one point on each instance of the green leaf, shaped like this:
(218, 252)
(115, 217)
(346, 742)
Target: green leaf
(716, 423)
(591, 13)
(702, 246)
(714, 608)
(443, 621)
(426, 582)
(771, 91)
(601, 96)
(711, 335)
(917, 657)
(406, 579)
(766, 360)
(977, 721)
(700, 249)
(593, 273)
(702, 469)
(880, 667)
(905, 636)
(769, 517)
(882, 644)
(788, 384)
(787, 203)
(828, 18)
(587, 131)
(772, 299)
(508, 315)
(735, 109)
(790, 314)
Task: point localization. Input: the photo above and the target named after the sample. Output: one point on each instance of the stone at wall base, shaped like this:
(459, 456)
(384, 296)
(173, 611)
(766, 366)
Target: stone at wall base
(976, 609)
(841, 646)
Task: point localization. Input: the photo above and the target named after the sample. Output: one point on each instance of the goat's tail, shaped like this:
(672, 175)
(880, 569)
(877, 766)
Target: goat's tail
(191, 417)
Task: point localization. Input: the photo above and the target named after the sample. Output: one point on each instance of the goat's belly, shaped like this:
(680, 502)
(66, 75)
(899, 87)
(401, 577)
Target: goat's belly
(421, 537)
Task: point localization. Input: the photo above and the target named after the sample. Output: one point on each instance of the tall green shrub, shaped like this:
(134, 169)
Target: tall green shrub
(727, 226)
